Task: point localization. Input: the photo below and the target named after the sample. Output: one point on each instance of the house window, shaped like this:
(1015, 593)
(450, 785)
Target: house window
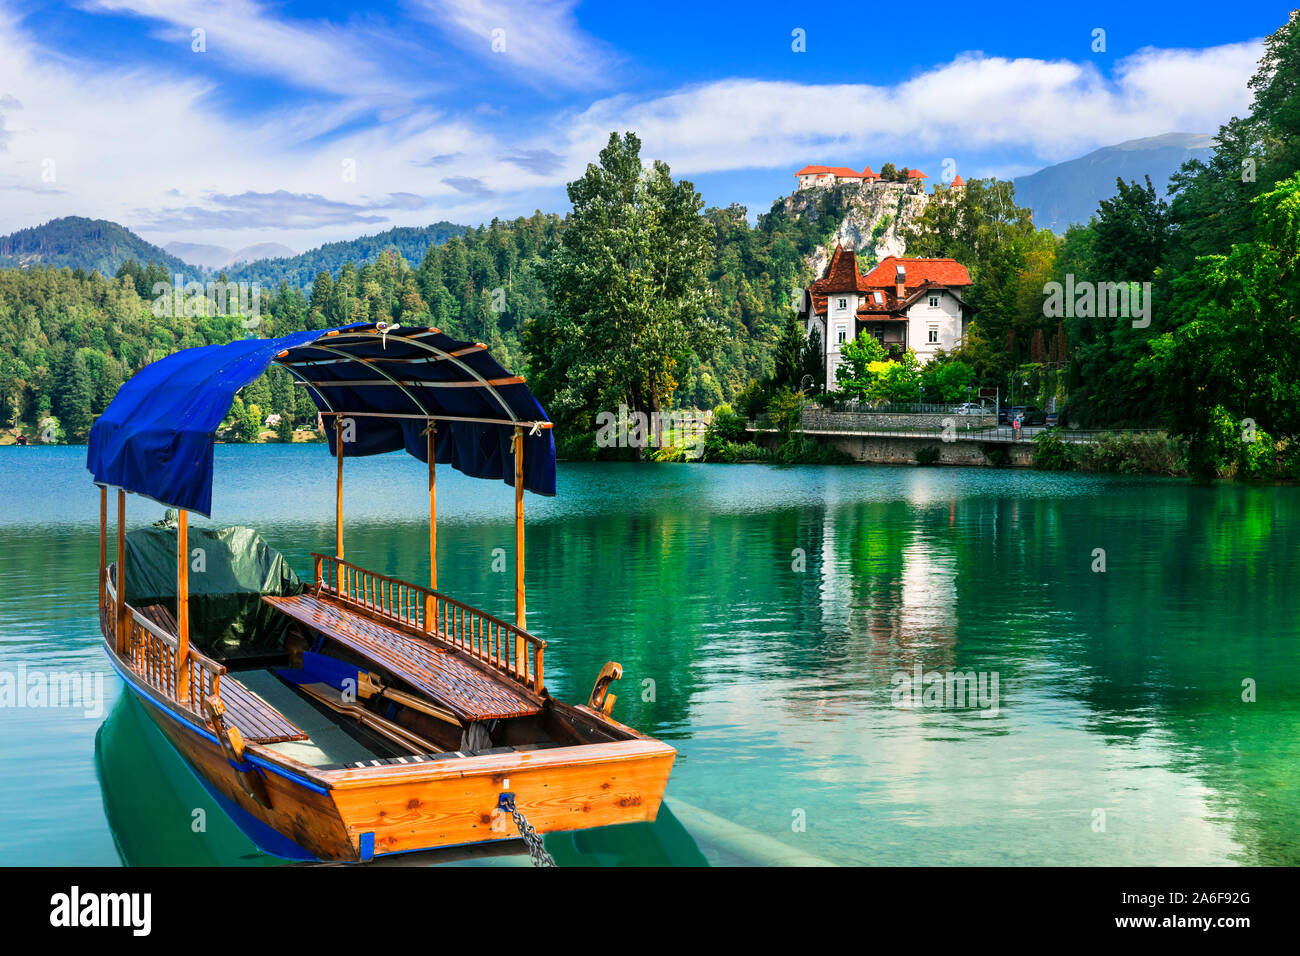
(840, 334)
(878, 297)
(934, 334)
(844, 303)
(934, 301)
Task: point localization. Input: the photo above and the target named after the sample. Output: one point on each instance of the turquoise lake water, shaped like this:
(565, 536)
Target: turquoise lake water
(768, 620)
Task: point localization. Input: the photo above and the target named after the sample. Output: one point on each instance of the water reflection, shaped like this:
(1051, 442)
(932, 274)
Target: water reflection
(1119, 691)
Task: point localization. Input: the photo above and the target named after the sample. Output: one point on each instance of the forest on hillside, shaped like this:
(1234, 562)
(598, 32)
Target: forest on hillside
(69, 338)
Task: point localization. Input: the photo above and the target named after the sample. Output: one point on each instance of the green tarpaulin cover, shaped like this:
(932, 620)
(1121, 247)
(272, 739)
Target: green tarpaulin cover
(232, 569)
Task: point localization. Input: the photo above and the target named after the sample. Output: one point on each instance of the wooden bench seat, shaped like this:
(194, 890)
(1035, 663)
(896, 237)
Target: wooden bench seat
(467, 691)
(258, 721)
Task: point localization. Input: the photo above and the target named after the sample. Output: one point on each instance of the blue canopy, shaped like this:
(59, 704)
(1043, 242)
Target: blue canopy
(387, 383)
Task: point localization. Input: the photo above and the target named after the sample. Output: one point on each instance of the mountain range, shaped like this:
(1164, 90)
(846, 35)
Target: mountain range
(219, 257)
(1069, 192)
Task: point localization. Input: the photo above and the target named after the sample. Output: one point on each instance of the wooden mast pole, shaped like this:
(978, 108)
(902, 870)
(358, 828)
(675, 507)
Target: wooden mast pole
(521, 652)
(338, 488)
(430, 602)
(103, 545)
(120, 610)
(433, 512)
(182, 606)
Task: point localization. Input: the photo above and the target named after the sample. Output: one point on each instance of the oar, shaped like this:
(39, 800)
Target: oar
(369, 685)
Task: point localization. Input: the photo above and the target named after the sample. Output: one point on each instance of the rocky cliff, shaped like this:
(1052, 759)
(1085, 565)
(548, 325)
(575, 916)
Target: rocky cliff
(871, 219)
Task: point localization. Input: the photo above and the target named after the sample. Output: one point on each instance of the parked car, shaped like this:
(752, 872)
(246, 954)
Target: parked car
(1052, 421)
(1010, 413)
(969, 408)
(1033, 415)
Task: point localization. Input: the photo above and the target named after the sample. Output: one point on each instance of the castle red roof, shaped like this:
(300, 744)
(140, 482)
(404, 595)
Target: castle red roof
(916, 174)
(959, 182)
(834, 170)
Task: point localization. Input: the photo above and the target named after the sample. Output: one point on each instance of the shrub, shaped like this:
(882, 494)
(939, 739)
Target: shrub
(1257, 459)
(1131, 453)
(926, 455)
(1288, 459)
(786, 411)
(575, 447)
(1052, 454)
(669, 453)
(753, 400)
(729, 453)
(727, 425)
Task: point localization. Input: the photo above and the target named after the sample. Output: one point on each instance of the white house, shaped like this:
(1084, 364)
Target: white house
(903, 302)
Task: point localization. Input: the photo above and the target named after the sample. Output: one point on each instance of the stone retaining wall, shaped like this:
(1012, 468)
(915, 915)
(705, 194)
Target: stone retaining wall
(902, 451)
(820, 418)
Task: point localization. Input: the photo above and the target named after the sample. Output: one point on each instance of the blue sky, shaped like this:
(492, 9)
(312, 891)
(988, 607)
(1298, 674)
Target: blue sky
(301, 123)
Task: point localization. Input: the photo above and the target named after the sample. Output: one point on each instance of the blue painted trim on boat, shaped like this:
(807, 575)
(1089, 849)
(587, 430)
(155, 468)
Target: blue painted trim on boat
(167, 707)
(366, 846)
(268, 839)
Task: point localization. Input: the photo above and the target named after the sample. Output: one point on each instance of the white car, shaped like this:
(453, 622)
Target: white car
(969, 408)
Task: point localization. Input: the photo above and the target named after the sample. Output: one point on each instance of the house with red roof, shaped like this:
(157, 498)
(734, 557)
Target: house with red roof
(903, 303)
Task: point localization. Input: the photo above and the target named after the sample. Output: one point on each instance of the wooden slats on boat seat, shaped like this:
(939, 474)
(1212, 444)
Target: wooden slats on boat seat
(258, 721)
(468, 692)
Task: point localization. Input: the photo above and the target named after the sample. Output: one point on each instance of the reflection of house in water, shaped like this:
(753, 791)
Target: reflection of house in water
(887, 586)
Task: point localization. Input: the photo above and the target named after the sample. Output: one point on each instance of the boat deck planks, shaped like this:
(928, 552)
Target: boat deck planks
(258, 721)
(471, 694)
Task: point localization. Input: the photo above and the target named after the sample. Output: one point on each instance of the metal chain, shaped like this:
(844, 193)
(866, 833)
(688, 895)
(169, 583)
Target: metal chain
(536, 849)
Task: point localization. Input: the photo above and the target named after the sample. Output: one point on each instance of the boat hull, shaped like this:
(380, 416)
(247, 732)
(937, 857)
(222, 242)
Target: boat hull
(356, 814)
(569, 788)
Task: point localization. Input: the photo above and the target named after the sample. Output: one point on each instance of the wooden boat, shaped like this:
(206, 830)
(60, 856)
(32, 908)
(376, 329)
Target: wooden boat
(443, 706)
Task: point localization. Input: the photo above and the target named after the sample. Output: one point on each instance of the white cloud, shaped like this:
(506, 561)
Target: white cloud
(246, 37)
(1048, 110)
(538, 40)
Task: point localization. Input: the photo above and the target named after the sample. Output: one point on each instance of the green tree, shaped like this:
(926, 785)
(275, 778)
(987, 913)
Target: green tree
(627, 286)
(789, 354)
(1238, 356)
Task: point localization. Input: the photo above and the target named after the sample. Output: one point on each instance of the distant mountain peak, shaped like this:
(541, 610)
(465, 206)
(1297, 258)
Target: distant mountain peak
(1069, 192)
(76, 242)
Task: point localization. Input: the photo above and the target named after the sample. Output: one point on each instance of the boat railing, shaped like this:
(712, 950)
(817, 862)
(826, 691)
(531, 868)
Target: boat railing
(498, 644)
(152, 653)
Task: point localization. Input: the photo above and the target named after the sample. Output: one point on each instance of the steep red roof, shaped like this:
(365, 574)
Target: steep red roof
(841, 275)
(868, 174)
(916, 174)
(946, 272)
(959, 182)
